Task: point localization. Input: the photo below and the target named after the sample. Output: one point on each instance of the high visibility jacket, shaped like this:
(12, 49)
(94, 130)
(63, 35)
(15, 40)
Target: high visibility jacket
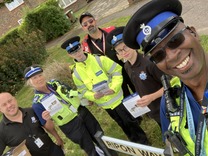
(94, 70)
(184, 132)
(68, 98)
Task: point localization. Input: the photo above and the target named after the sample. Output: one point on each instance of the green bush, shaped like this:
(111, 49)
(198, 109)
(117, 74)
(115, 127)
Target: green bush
(49, 19)
(18, 50)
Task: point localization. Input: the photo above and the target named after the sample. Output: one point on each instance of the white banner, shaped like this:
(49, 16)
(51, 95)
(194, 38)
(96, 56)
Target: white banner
(131, 148)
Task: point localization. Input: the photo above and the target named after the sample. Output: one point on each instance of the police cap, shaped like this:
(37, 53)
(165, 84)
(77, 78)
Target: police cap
(152, 23)
(32, 71)
(115, 37)
(71, 45)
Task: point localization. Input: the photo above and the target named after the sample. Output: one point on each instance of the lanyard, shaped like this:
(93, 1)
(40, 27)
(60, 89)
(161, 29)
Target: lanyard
(199, 146)
(199, 141)
(103, 51)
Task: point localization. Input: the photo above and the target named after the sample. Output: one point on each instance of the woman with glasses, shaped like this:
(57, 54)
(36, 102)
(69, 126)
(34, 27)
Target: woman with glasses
(176, 50)
(143, 73)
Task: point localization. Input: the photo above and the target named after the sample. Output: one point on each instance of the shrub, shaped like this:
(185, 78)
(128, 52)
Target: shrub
(49, 19)
(18, 50)
(59, 71)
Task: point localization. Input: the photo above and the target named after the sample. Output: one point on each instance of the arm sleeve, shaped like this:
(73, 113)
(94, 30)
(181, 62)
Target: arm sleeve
(84, 91)
(2, 143)
(38, 109)
(114, 72)
(2, 146)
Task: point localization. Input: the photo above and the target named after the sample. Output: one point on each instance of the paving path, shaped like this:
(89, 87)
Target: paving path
(194, 13)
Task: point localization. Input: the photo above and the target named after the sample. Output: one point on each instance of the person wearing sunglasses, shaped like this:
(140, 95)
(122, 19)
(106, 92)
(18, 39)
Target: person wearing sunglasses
(176, 50)
(99, 79)
(95, 42)
(144, 74)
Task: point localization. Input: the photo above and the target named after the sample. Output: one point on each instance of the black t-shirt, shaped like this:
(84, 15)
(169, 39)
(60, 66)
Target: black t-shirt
(13, 133)
(146, 78)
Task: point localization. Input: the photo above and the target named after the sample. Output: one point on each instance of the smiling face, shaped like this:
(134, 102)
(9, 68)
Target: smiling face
(8, 105)
(38, 81)
(125, 52)
(187, 61)
(78, 55)
(89, 25)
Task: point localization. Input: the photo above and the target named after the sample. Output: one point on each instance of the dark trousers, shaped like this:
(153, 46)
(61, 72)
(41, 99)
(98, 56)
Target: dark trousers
(77, 132)
(56, 150)
(90, 122)
(128, 124)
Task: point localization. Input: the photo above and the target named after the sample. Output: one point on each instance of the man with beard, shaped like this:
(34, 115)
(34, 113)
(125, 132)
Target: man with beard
(176, 50)
(19, 124)
(95, 43)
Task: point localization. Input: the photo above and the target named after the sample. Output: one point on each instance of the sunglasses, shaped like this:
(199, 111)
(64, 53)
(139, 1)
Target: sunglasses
(72, 52)
(90, 21)
(173, 43)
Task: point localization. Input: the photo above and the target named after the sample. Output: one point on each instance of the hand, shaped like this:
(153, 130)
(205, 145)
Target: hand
(98, 95)
(60, 142)
(144, 101)
(109, 92)
(46, 115)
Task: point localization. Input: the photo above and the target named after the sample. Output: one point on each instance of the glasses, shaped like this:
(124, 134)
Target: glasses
(125, 49)
(90, 21)
(73, 52)
(173, 43)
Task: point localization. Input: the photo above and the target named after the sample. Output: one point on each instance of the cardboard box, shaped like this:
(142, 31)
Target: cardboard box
(20, 150)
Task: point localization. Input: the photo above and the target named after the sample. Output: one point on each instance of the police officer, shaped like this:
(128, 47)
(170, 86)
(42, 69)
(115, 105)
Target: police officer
(19, 124)
(99, 79)
(95, 42)
(145, 74)
(56, 101)
(175, 48)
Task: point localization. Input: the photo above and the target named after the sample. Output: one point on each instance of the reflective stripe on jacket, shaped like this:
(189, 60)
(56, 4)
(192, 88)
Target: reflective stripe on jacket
(184, 132)
(69, 101)
(94, 70)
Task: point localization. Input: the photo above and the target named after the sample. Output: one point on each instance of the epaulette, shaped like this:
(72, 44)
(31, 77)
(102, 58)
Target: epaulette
(52, 80)
(36, 99)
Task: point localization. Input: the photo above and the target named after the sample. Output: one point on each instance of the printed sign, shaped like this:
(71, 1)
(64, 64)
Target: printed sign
(52, 104)
(131, 148)
(130, 104)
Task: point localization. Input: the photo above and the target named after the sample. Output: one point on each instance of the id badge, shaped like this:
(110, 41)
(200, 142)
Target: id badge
(73, 109)
(39, 142)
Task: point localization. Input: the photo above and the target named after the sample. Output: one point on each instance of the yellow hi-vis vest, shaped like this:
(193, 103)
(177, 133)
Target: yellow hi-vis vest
(69, 110)
(94, 70)
(184, 132)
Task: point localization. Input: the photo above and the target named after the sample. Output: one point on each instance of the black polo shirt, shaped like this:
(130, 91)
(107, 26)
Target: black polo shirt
(146, 78)
(13, 133)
